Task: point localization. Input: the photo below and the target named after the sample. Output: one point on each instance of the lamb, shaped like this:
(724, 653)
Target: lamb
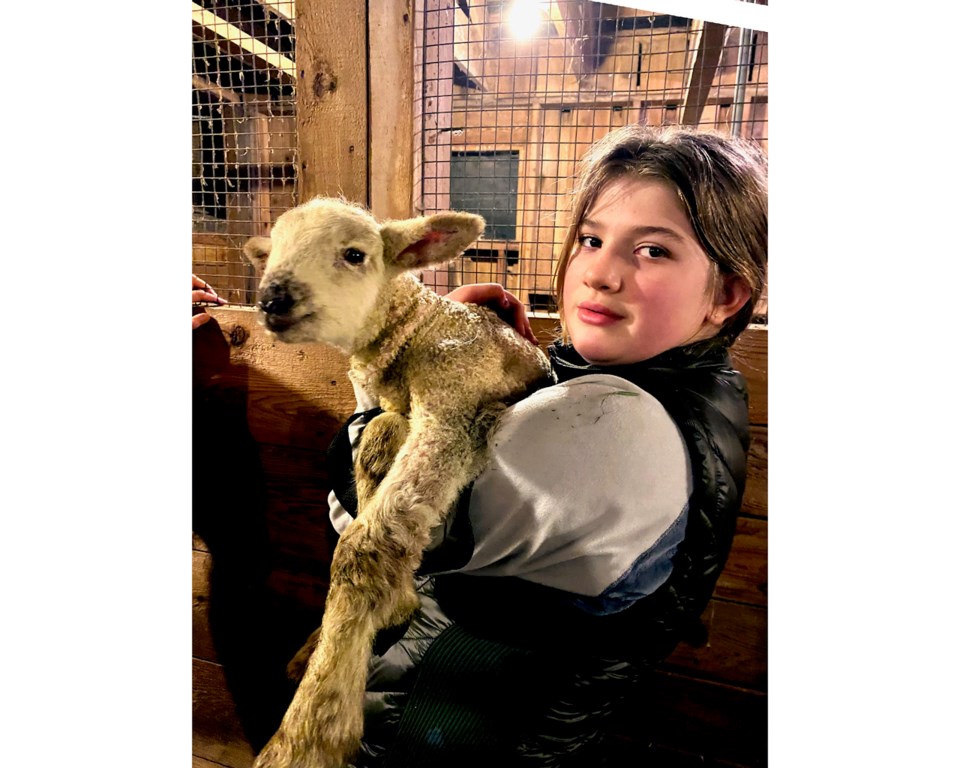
(442, 371)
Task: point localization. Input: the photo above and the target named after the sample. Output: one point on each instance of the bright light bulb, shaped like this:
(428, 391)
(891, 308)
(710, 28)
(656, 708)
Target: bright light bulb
(524, 18)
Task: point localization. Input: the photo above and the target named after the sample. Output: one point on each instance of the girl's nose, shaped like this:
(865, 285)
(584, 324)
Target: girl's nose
(603, 273)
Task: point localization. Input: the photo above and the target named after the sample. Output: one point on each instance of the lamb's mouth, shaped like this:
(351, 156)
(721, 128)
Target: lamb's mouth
(282, 323)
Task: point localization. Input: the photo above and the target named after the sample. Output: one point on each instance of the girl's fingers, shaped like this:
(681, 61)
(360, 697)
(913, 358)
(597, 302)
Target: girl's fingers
(203, 291)
(208, 296)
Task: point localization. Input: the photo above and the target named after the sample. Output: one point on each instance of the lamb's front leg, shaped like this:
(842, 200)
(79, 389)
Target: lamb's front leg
(370, 587)
(381, 442)
(324, 722)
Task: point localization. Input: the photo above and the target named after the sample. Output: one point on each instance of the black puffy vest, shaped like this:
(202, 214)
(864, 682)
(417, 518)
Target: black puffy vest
(584, 663)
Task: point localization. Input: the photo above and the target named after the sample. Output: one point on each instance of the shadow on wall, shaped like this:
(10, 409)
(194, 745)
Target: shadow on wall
(265, 594)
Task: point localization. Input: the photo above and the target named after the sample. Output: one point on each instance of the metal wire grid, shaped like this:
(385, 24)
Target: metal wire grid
(500, 119)
(244, 133)
(506, 107)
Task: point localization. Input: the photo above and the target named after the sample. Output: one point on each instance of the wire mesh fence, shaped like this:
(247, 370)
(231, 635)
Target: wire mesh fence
(244, 133)
(508, 95)
(514, 92)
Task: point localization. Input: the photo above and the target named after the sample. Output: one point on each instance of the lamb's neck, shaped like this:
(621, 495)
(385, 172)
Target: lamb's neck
(401, 310)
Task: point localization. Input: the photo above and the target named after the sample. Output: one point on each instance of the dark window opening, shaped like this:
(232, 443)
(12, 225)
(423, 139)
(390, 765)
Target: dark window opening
(486, 183)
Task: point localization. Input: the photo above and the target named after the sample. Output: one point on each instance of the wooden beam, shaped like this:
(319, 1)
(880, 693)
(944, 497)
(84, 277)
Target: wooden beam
(706, 59)
(201, 83)
(234, 41)
(332, 93)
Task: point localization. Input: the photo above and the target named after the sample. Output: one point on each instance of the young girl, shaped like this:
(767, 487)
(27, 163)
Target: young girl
(593, 540)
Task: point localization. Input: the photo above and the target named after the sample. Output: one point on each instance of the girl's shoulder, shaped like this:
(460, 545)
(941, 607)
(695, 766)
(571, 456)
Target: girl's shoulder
(591, 402)
(585, 478)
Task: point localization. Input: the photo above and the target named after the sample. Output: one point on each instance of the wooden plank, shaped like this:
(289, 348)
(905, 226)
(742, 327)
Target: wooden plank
(391, 109)
(735, 651)
(236, 42)
(217, 735)
(744, 578)
(199, 762)
(203, 647)
(293, 394)
(755, 494)
(749, 355)
(201, 83)
(332, 100)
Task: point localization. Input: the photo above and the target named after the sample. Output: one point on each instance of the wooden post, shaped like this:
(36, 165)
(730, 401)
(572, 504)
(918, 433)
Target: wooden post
(391, 108)
(332, 121)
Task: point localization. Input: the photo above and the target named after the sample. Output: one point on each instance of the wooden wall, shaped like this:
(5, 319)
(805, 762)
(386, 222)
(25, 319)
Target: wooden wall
(264, 413)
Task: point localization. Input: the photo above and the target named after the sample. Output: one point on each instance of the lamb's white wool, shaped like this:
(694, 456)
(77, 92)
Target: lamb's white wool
(442, 371)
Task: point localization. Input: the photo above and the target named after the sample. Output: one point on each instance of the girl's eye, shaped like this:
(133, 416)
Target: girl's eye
(353, 256)
(589, 241)
(653, 251)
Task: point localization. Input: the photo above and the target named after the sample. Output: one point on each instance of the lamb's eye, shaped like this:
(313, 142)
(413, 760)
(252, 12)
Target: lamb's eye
(353, 256)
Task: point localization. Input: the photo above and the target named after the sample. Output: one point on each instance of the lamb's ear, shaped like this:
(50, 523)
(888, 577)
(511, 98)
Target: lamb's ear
(428, 241)
(256, 250)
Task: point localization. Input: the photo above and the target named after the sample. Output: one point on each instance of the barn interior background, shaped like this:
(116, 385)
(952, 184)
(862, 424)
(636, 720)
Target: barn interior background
(413, 107)
(506, 97)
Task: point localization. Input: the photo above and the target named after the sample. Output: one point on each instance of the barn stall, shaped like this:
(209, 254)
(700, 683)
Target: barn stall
(413, 108)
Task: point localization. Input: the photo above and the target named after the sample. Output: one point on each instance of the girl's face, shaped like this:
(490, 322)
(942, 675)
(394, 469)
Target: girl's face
(639, 283)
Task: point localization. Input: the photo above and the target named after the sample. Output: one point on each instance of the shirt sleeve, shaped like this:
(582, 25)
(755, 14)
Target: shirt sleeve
(340, 517)
(586, 491)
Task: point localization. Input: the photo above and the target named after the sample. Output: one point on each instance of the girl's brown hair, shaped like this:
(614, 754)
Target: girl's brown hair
(722, 182)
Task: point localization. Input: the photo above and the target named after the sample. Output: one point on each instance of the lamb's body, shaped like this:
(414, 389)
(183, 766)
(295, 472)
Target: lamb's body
(442, 372)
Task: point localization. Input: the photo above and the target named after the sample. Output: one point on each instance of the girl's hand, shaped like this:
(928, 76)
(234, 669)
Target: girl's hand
(202, 291)
(495, 297)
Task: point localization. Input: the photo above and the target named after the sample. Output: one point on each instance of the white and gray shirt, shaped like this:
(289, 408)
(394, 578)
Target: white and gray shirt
(586, 491)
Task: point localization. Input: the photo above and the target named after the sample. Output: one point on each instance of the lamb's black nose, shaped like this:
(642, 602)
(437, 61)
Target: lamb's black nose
(275, 299)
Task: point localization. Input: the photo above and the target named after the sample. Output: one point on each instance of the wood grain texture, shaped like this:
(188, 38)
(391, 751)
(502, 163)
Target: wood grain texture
(755, 494)
(203, 647)
(199, 762)
(332, 118)
(391, 108)
(217, 736)
(735, 652)
(744, 578)
(749, 355)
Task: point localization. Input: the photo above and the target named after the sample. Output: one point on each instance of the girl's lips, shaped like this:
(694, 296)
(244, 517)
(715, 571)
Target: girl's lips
(596, 314)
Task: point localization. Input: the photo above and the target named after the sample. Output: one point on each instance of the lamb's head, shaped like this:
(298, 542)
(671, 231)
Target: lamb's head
(327, 266)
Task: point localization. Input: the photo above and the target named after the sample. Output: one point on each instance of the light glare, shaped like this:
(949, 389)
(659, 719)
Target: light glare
(524, 18)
